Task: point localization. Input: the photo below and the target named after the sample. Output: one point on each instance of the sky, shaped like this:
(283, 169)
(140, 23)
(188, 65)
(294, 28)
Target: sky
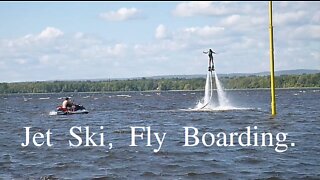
(101, 40)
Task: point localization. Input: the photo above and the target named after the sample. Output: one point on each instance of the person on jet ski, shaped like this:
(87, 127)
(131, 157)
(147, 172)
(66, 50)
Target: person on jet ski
(67, 104)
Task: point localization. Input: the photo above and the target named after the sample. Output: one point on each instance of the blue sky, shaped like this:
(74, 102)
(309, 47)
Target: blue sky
(91, 40)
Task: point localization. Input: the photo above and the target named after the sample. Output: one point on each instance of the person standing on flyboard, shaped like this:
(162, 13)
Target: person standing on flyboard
(211, 64)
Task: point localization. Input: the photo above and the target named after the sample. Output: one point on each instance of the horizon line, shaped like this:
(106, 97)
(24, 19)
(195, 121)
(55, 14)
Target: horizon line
(263, 73)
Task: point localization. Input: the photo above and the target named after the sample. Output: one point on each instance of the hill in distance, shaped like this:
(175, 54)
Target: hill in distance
(277, 73)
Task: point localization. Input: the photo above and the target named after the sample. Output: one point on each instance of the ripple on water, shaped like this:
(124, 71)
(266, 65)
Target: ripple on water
(6, 161)
(298, 117)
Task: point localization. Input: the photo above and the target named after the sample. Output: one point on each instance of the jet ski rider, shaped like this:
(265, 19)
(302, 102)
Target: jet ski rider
(67, 104)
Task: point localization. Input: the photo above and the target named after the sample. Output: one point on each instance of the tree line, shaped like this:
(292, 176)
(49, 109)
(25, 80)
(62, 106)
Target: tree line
(148, 84)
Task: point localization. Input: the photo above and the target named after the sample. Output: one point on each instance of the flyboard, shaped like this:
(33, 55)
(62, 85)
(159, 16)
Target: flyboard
(209, 75)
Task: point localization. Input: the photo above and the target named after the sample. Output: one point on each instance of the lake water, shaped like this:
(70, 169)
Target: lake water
(298, 115)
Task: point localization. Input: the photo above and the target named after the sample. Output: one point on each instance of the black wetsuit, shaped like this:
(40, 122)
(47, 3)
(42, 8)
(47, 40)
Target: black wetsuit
(210, 56)
(211, 60)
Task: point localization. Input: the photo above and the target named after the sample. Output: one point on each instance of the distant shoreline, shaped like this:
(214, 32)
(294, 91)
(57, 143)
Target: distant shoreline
(157, 91)
(191, 76)
(157, 85)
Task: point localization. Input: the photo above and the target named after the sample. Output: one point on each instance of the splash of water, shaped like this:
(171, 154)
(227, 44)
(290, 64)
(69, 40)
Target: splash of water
(208, 102)
(223, 100)
(207, 99)
(222, 103)
(208, 89)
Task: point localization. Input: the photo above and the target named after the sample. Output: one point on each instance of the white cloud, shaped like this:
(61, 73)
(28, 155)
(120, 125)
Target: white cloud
(121, 14)
(316, 55)
(306, 32)
(44, 59)
(190, 8)
(205, 32)
(237, 31)
(316, 17)
(50, 33)
(161, 32)
(161, 47)
(187, 9)
(3, 65)
(102, 51)
(289, 17)
(231, 20)
(79, 35)
(21, 61)
(217, 9)
(240, 23)
(86, 55)
(283, 4)
(179, 40)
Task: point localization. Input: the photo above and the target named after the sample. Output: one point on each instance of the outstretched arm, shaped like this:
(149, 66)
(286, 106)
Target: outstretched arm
(205, 52)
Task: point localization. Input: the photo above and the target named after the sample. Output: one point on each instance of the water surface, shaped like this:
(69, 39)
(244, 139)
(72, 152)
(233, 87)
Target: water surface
(298, 115)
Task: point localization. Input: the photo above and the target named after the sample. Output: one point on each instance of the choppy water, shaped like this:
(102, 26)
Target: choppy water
(298, 115)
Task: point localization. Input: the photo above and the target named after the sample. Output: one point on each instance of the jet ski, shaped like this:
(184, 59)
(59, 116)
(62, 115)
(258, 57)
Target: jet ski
(76, 109)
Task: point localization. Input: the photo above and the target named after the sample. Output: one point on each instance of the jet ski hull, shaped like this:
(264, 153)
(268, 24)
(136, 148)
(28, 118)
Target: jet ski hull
(72, 112)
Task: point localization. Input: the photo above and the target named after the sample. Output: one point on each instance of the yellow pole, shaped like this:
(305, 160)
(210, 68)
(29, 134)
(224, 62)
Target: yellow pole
(273, 94)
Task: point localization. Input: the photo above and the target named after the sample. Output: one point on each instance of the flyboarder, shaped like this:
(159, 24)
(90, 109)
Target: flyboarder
(211, 64)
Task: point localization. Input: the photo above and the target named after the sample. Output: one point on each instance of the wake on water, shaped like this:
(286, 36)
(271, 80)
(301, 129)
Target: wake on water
(208, 103)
